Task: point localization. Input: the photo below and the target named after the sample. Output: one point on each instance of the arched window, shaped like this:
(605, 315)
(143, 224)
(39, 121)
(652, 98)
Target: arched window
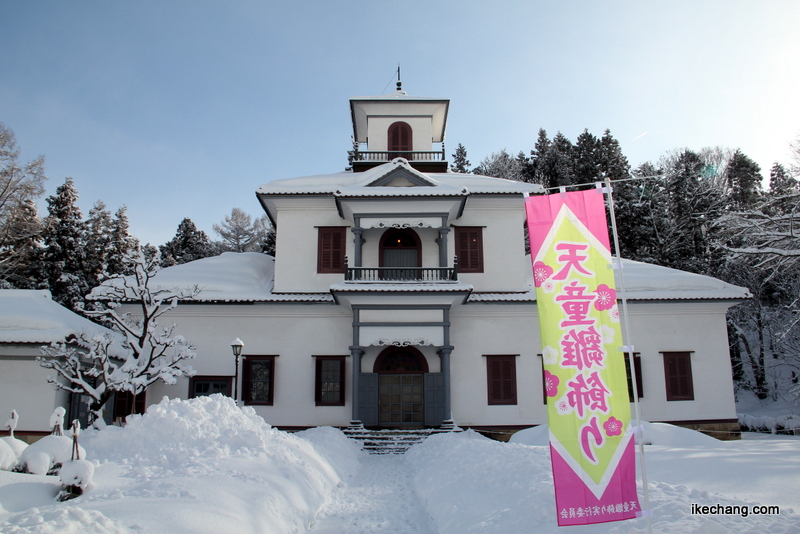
(400, 141)
(399, 250)
(400, 360)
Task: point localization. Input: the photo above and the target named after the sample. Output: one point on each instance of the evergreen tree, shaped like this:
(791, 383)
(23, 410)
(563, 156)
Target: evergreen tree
(20, 227)
(587, 162)
(121, 244)
(780, 181)
(20, 247)
(744, 179)
(98, 239)
(65, 246)
(189, 244)
(460, 162)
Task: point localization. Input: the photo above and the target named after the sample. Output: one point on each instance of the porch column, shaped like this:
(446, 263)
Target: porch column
(444, 358)
(443, 231)
(356, 353)
(359, 241)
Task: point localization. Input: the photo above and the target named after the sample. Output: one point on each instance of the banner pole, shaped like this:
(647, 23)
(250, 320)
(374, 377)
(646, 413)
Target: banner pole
(626, 337)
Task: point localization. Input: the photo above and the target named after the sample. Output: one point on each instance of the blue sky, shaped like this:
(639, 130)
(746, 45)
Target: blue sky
(182, 108)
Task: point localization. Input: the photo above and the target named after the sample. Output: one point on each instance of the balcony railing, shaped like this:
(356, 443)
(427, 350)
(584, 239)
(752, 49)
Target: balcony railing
(401, 274)
(389, 155)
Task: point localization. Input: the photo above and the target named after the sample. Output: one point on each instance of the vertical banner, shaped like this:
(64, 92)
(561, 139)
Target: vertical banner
(592, 452)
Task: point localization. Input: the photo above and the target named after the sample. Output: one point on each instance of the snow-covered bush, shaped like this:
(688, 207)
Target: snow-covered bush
(8, 458)
(57, 421)
(46, 456)
(76, 477)
(782, 424)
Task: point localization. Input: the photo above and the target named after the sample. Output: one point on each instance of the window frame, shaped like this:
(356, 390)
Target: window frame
(130, 404)
(637, 369)
(507, 384)
(673, 376)
(326, 236)
(209, 378)
(318, 362)
(246, 380)
(469, 261)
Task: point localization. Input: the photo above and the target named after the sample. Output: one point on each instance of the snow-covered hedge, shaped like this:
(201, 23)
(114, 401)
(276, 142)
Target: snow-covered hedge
(46, 455)
(781, 424)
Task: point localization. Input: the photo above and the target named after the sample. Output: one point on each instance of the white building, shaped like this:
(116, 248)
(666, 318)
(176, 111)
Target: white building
(30, 319)
(402, 296)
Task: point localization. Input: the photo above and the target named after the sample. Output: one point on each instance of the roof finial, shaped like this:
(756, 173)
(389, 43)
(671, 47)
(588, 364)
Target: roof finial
(399, 83)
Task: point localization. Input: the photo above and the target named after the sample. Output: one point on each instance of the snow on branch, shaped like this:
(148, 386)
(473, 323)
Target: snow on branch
(138, 352)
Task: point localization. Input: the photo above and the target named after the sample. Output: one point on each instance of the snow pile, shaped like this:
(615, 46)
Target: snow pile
(202, 465)
(339, 450)
(46, 455)
(780, 416)
(472, 484)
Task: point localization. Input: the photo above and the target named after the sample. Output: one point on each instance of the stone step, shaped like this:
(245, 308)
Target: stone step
(392, 441)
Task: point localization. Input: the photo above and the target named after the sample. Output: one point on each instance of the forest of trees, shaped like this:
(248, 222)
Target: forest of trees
(710, 211)
(69, 254)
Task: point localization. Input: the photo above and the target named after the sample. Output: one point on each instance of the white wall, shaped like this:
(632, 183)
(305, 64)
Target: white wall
(24, 387)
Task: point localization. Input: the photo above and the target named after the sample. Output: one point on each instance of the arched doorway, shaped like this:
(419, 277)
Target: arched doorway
(401, 399)
(400, 140)
(399, 250)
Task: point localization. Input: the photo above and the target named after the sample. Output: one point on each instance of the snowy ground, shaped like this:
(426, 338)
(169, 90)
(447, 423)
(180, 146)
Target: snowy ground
(206, 466)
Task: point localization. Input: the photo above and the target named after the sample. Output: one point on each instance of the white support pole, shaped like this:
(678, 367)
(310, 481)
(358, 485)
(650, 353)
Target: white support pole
(626, 334)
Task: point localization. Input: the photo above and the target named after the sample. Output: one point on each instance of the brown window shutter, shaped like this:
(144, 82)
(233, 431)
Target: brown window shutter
(502, 379)
(331, 249)
(469, 249)
(678, 376)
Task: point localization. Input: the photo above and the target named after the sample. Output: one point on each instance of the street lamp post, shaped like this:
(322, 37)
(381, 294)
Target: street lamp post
(236, 345)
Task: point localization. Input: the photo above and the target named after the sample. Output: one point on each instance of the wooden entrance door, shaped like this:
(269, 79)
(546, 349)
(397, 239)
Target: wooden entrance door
(401, 387)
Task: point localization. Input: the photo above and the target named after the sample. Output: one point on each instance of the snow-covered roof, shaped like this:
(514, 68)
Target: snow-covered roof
(248, 277)
(350, 184)
(232, 277)
(645, 281)
(31, 316)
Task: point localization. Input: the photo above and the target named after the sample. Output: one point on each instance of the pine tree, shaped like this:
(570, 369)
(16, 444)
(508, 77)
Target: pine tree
(189, 244)
(98, 238)
(744, 179)
(65, 245)
(460, 162)
(20, 227)
(587, 166)
(780, 181)
(121, 244)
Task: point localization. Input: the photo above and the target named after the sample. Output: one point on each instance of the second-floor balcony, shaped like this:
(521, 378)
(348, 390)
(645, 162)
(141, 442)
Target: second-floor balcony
(425, 161)
(401, 274)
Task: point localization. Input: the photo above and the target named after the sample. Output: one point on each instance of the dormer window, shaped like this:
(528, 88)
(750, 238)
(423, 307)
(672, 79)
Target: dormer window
(400, 140)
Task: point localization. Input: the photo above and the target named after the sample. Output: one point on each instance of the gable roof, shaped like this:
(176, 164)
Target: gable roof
(31, 316)
(376, 182)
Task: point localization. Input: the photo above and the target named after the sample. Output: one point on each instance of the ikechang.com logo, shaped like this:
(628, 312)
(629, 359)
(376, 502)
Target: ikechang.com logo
(743, 510)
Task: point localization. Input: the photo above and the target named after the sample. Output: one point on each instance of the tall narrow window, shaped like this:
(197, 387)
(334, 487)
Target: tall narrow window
(678, 376)
(400, 141)
(501, 374)
(126, 403)
(329, 383)
(258, 380)
(331, 248)
(469, 249)
(637, 375)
